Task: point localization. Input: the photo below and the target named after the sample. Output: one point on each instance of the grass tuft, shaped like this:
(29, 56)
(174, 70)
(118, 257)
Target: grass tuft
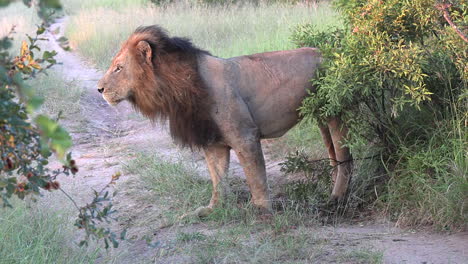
(60, 96)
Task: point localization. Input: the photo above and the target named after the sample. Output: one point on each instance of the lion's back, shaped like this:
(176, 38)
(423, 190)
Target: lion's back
(272, 84)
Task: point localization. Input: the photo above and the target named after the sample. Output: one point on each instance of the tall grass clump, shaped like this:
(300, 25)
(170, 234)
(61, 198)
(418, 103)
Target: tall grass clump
(38, 235)
(396, 73)
(429, 184)
(225, 31)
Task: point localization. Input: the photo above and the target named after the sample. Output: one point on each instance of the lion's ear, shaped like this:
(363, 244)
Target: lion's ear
(144, 49)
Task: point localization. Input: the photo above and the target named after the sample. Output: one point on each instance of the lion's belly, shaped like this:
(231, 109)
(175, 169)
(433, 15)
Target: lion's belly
(276, 112)
(273, 88)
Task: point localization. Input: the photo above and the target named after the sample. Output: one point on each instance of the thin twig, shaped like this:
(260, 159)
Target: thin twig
(344, 161)
(70, 198)
(444, 8)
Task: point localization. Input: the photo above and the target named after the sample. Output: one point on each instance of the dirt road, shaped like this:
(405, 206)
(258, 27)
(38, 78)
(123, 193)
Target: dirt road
(107, 138)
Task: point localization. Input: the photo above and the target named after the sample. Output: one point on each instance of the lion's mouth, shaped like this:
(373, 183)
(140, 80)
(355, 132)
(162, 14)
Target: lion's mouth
(112, 101)
(115, 102)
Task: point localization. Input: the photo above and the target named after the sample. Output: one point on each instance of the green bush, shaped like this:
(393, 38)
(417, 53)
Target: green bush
(397, 74)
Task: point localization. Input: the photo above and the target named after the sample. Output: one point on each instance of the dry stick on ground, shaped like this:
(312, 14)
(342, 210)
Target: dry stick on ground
(444, 8)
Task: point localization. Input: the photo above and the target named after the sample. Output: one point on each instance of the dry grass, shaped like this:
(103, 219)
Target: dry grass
(20, 17)
(225, 31)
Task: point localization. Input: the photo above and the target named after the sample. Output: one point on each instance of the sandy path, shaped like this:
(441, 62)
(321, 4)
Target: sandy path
(109, 137)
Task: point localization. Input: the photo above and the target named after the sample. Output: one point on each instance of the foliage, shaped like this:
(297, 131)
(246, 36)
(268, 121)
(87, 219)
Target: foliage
(28, 140)
(397, 72)
(25, 146)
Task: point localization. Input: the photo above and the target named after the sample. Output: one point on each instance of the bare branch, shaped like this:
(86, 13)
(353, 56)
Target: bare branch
(444, 8)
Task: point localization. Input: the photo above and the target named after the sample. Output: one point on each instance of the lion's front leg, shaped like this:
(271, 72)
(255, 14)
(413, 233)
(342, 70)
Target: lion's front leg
(217, 160)
(251, 158)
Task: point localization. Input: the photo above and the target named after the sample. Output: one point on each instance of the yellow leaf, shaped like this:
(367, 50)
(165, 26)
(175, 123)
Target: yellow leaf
(24, 48)
(34, 65)
(11, 141)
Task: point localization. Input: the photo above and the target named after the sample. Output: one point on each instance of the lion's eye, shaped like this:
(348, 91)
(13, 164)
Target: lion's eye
(118, 68)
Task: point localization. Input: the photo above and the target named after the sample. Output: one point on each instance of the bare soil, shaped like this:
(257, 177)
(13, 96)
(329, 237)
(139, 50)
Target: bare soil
(109, 137)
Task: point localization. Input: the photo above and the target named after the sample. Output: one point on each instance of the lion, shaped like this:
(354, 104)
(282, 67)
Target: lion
(217, 104)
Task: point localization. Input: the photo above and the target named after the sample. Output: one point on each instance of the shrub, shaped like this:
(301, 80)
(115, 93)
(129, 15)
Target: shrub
(397, 73)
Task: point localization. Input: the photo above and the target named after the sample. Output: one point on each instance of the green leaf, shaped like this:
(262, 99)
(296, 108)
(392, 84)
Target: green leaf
(83, 243)
(34, 103)
(48, 54)
(123, 234)
(40, 30)
(27, 2)
(58, 138)
(4, 2)
(51, 4)
(115, 244)
(3, 184)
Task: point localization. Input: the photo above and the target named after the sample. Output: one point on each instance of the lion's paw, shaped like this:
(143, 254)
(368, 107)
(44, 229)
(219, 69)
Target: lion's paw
(203, 211)
(200, 212)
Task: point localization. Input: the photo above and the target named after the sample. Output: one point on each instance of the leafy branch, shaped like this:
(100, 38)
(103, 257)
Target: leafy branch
(28, 140)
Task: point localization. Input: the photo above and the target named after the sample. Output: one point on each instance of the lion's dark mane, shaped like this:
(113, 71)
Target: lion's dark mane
(172, 89)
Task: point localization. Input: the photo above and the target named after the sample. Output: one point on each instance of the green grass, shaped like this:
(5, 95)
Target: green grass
(35, 235)
(225, 31)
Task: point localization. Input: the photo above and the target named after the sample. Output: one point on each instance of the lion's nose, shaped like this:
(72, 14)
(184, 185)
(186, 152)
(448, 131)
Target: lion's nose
(101, 89)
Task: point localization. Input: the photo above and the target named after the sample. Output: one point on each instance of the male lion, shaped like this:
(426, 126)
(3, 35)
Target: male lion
(217, 104)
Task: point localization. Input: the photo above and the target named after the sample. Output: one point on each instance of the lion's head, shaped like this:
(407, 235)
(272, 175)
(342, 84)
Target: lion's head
(131, 70)
(159, 76)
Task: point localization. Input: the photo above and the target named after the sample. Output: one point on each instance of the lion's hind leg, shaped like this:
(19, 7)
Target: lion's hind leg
(328, 141)
(338, 133)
